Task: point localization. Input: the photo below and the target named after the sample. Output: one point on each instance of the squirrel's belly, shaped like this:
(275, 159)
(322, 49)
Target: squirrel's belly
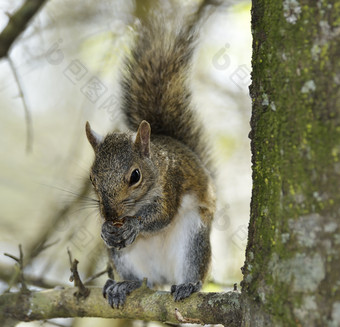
(162, 257)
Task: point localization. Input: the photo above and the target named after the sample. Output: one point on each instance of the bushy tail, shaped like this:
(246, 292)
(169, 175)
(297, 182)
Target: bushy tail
(155, 83)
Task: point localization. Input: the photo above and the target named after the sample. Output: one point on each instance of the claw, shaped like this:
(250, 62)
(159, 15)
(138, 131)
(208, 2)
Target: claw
(116, 292)
(183, 291)
(107, 285)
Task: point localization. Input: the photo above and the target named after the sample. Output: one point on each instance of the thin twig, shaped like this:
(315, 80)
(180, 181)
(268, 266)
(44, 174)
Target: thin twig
(95, 276)
(69, 257)
(28, 117)
(12, 257)
(17, 24)
(21, 266)
(20, 272)
(40, 244)
(7, 273)
(43, 247)
(82, 290)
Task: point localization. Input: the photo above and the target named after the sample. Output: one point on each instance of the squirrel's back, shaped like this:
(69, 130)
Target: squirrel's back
(155, 83)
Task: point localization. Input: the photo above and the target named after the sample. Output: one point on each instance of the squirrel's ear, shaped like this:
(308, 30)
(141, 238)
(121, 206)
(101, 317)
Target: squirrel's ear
(143, 138)
(94, 138)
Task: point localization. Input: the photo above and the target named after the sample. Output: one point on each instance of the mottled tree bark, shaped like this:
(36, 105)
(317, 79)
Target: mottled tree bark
(143, 303)
(292, 269)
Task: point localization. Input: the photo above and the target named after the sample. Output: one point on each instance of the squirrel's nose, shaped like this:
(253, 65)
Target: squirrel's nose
(110, 214)
(111, 209)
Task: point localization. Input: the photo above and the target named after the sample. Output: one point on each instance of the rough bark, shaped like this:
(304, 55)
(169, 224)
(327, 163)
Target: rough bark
(291, 274)
(144, 304)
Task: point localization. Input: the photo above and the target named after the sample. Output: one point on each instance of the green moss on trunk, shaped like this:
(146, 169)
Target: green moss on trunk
(292, 261)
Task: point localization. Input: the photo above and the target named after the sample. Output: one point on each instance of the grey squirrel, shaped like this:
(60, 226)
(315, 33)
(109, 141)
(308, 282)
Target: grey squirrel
(156, 196)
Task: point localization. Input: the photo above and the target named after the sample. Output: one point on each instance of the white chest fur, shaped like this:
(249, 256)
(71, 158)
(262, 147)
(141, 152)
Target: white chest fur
(162, 257)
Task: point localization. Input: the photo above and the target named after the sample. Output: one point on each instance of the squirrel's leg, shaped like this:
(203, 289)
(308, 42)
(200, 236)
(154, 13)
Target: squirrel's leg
(182, 291)
(155, 216)
(116, 292)
(196, 265)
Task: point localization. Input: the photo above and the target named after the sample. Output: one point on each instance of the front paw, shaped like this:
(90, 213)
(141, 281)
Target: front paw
(116, 292)
(182, 291)
(121, 233)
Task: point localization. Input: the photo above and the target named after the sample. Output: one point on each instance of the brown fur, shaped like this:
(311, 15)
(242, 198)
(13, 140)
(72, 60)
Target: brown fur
(155, 83)
(170, 158)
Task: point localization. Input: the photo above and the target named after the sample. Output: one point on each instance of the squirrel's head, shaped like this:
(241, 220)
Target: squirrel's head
(122, 172)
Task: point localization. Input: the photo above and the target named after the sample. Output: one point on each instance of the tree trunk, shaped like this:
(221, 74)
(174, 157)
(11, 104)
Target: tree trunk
(292, 269)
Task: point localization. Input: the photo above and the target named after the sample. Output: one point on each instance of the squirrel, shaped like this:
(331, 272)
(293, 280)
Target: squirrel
(155, 191)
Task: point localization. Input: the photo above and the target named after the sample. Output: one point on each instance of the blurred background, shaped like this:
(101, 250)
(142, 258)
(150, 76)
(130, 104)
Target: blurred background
(66, 64)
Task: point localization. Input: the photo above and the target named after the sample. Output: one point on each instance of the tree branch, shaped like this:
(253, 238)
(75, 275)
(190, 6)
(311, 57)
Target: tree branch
(7, 273)
(17, 24)
(143, 303)
(40, 244)
(28, 117)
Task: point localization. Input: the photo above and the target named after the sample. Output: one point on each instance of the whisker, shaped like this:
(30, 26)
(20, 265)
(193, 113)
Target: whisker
(80, 209)
(84, 197)
(129, 202)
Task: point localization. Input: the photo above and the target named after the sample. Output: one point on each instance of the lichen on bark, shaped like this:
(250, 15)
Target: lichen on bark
(143, 303)
(292, 258)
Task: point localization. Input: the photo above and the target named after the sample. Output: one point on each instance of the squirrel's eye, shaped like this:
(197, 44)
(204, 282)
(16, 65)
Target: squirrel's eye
(135, 177)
